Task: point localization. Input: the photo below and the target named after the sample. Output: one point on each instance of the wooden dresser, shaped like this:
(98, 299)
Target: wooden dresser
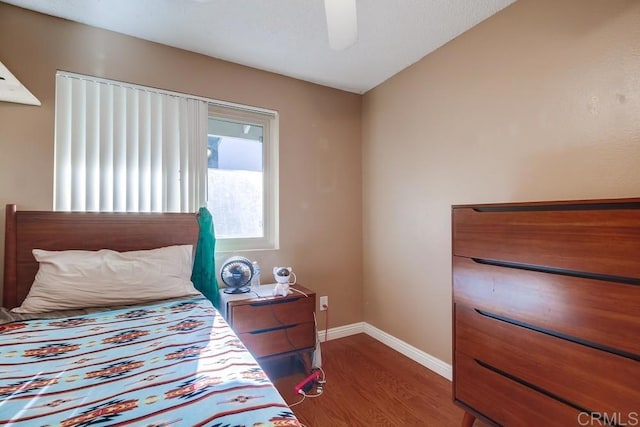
(273, 326)
(546, 310)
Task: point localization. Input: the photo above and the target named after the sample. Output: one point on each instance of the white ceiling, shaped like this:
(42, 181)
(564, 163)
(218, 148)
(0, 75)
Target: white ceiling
(288, 37)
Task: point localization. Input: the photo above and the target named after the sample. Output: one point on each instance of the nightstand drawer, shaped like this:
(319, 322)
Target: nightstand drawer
(261, 315)
(284, 339)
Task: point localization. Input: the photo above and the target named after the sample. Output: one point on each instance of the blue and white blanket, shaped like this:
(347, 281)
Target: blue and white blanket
(169, 364)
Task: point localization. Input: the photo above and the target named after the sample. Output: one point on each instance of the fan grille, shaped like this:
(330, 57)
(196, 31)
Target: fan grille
(236, 273)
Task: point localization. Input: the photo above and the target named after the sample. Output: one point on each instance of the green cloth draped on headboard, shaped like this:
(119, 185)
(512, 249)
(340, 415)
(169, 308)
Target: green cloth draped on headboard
(203, 275)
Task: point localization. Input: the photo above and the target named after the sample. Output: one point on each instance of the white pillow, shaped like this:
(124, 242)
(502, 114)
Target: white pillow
(79, 279)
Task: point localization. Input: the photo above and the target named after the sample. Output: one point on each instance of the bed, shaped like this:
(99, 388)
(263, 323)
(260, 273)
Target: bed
(173, 361)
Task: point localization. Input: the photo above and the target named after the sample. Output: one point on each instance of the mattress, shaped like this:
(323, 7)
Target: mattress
(170, 363)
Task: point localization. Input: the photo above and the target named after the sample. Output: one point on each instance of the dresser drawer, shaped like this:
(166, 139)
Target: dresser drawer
(261, 315)
(561, 367)
(605, 241)
(284, 339)
(504, 401)
(594, 310)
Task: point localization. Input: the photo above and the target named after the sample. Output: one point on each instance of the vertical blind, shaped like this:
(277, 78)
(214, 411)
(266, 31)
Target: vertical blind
(127, 148)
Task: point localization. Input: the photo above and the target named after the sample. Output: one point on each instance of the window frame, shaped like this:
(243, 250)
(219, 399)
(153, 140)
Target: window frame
(267, 118)
(269, 121)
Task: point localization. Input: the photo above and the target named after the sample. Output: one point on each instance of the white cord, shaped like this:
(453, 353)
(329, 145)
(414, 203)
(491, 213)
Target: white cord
(318, 394)
(322, 381)
(319, 388)
(304, 396)
(299, 291)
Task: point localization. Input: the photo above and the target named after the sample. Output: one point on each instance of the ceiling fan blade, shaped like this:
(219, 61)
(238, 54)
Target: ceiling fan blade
(342, 23)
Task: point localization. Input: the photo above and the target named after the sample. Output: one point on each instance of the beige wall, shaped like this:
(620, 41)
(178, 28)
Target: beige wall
(320, 141)
(539, 102)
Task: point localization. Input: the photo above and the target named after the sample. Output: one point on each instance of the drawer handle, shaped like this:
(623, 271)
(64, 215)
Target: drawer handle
(562, 207)
(277, 328)
(530, 385)
(566, 337)
(273, 302)
(559, 271)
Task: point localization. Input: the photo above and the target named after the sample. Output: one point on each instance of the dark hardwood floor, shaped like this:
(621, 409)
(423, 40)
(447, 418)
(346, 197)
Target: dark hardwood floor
(369, 384)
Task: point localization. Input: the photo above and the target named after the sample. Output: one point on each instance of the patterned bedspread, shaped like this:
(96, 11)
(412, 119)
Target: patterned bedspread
(169, 364)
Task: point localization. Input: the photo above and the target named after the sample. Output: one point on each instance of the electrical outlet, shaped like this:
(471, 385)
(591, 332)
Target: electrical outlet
(324, 303)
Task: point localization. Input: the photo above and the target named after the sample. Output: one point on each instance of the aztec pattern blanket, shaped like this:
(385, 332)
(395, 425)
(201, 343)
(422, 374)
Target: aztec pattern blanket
(168, 364)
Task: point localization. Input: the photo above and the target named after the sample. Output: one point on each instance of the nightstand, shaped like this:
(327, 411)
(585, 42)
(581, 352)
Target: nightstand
(272, 326)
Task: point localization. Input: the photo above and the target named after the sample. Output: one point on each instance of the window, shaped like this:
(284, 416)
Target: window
(128, 148)
(242, 177)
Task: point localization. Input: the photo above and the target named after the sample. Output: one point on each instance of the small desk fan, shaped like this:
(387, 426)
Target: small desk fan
(236, 273)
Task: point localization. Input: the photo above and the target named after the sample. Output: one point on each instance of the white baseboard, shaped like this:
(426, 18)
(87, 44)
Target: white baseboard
(425, 359)
(342, 331)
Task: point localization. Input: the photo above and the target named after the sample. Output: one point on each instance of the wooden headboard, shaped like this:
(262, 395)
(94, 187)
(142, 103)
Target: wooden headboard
(27, 230)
